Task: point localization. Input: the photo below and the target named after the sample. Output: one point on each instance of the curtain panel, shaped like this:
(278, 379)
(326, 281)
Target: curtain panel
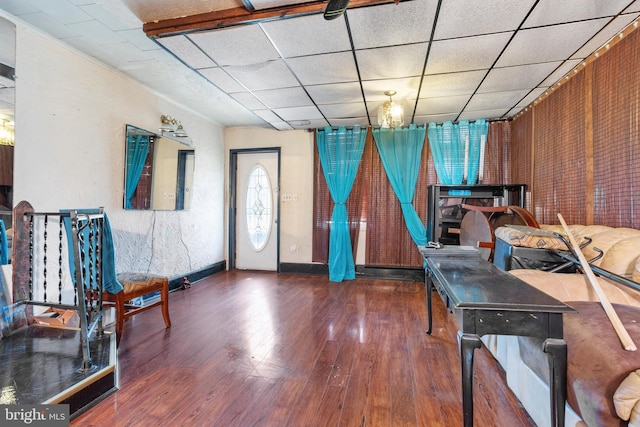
(136, 158)
(401, 151)
(340, 152)
(323, 205)
(457, 151)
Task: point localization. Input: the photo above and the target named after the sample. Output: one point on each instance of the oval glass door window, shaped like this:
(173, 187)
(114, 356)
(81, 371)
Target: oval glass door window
(259, 207)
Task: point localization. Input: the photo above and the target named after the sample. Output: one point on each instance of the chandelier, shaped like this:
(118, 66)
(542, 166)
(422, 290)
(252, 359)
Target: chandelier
(390, 114)
(7, 134)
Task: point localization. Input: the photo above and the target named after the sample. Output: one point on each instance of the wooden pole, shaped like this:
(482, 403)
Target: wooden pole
(625, 338)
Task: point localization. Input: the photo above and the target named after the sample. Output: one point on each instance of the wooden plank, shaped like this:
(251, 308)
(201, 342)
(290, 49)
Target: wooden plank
(239, 16)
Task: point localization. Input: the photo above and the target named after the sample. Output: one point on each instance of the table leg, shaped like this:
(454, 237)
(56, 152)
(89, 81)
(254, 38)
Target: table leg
(468, 343)
(557, 351)
(429, 290)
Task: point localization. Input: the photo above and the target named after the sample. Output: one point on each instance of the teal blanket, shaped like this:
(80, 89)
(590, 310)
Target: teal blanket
(109, 277)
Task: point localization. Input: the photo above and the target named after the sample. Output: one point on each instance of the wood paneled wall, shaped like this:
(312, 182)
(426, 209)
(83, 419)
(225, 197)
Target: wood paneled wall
(578, 148)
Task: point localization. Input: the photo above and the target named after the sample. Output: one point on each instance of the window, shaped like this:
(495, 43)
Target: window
(258, 208)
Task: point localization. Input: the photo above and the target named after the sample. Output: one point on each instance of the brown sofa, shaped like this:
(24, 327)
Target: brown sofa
(603, 380)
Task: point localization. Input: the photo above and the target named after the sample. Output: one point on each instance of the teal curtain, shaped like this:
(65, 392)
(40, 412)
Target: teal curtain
(137, 152)
(451, 144)
(110, 281)
(4, 246)
(401, 152)
(340, 153)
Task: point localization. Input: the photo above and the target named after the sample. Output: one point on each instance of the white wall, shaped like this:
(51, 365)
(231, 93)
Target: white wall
(296, 178)
(71, 113)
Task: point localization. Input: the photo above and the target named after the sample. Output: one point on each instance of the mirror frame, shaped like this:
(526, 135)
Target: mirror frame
(158, 171)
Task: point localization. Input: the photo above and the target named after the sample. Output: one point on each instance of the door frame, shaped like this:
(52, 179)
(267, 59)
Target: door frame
(233, 194)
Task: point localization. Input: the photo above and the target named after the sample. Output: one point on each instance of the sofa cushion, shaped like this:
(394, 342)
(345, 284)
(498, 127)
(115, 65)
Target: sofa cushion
(528, 239)
(621, 257)
(597, 363)
(626, 399)
(636, 272)
(576, 287)
(606, 241)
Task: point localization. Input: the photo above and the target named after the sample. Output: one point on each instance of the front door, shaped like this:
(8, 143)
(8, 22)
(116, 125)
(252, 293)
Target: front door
(256, 211)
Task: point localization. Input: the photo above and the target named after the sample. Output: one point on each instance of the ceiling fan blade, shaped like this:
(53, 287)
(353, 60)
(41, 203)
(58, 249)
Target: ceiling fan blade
(335, 9)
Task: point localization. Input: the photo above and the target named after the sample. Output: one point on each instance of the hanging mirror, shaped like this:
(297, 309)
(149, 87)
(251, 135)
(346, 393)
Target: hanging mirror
(158, 171)
(7, 113)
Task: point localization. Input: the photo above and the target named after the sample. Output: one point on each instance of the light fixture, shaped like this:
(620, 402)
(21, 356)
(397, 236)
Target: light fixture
(390, 114)
(7, 134)
(172, 126)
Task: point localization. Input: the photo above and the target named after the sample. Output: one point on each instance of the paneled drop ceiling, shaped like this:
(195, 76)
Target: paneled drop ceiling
(447, 60)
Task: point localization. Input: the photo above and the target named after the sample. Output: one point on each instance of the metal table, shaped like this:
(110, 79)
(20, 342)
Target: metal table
(488, 300)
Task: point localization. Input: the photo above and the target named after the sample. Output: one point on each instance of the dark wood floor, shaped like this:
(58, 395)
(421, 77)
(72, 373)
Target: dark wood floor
(266, 349)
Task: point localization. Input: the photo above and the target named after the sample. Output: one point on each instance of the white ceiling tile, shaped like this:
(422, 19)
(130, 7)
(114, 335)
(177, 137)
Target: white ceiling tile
(497, 113)
(267, 115)
(451, 84)
(188, 52)
(444, 105)
(308, 124)
(335, 93)
(139, 39)
(634, 7)
(267, 75)
(298, 113)
(114, 21)
(535, 93)
(162, 56)
(548, 12)
(604, 36)
(462, 18)
(61, 11)
(469, 36)
(248, 100)
(560, 72)
(342, 111)
(221, 79)
(19, 7)
(495, 100)
(237, 46)
(518, 77)
(286, 97)
(322, 69)
(547, 44)
(281, 125)
(391, 62)
(127, 52)
(436, 118)
(51, 26)
(392, 24)
(96, 31)
(466, 54)
(308, 35)
(405, 89)
(350, 122)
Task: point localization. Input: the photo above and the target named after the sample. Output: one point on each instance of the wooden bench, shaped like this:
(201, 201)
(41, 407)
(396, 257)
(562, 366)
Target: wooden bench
(138, 285)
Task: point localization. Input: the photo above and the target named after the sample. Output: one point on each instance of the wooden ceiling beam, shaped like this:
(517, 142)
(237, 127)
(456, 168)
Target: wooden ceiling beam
(240, 16)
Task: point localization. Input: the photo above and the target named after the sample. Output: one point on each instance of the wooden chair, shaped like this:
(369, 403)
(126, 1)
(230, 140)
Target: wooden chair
(138, 285)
